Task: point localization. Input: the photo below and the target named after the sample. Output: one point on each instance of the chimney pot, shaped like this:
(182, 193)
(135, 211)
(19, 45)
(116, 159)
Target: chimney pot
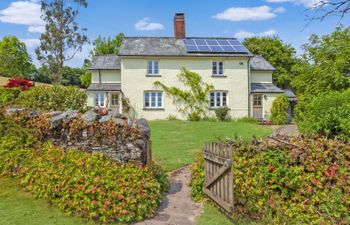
(179, 26)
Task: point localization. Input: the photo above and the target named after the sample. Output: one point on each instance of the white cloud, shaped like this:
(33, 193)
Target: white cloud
(245, 34)
(24, 13)
(306, 3)
(252, 13)
(144, 24)
(279, 10)
(31, 43)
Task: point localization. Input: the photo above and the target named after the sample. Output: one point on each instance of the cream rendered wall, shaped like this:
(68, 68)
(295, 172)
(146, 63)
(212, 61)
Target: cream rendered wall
(261, 77)
(90, 99)
(107, 76)
(135, 82)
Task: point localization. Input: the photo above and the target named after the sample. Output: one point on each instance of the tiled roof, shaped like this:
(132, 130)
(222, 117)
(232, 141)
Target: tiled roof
(104, 87)
(105, 62)
(164, 46)
(265, 88)
(260, 64)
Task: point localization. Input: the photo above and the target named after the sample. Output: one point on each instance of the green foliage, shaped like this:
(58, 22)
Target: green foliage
(14, 58)
(172, 118)
(279, 110)
(303, 182)
(52, 98)
(85, 184)
(247, 120)
(197, 179)
(62, 38)
(85, 79)
(327, 114)
(325, 64)
(7, 95)
(103, 46)
(193, 102)
(279, 54)
(72, 76)
(222, 113)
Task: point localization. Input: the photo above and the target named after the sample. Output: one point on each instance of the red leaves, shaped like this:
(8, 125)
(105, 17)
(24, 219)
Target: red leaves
(331, 171)
(19, 82)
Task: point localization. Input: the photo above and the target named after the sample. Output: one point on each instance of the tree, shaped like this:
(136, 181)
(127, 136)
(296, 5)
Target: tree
(85, 79)
(280, 55)
(62, 38)
(279, 110)
(103, 46)
(14, 58)
(326, 8)
(193, 102)
(325, 64)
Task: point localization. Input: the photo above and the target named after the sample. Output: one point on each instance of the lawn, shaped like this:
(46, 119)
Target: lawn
(18, 207)
(175, 143)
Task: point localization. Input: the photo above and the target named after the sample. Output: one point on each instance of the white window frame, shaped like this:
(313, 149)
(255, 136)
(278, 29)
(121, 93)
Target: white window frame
(217, 71)
(153, 68)
(148, 94)
(112, 100)
(220, 103)
(97, 99)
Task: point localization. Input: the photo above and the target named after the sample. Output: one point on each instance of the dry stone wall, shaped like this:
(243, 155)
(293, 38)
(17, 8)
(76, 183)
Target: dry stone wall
(119, 138)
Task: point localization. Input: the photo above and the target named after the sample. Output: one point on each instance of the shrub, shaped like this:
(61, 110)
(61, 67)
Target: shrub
(222, 113)
(197, 178)
(247, 120)
(172, 118)
(88, 185)
(19, 83)
(327, 114)
(303, 182)
(52, 98)
(7, 95)
(279, 110)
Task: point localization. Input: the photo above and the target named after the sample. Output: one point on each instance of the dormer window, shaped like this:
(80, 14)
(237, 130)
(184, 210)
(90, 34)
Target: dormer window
(218, 68)
(153, 68)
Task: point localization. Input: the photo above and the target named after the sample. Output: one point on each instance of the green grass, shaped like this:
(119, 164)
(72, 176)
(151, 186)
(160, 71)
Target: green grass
(18, 207)
(212, 216)
(175, 143)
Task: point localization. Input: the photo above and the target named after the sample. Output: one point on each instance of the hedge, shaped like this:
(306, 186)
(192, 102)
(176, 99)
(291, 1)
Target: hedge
(327, 115)
(305, 182)
(78, 183)
(52, 98)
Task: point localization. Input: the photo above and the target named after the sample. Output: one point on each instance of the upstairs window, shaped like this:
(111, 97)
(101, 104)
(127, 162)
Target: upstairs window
(153, 100)
(218, 68)
(218, 99)
(99, 99)
(153, 68)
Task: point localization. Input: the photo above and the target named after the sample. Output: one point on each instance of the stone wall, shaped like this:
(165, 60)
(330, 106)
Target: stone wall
(118, 138)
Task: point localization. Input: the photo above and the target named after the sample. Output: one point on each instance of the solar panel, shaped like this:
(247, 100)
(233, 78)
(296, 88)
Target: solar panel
(215, 46)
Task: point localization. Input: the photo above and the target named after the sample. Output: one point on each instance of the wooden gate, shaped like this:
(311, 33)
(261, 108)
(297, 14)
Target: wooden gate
(218, 175)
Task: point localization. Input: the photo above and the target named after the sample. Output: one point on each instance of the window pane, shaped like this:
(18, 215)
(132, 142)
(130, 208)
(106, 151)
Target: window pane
(156, 67)
(153, 99)
(147, 99)
(218, 99)
(160, 96)
(214, 68)
(221, 68)
(212, 99)
(150, 67)
(224, 99)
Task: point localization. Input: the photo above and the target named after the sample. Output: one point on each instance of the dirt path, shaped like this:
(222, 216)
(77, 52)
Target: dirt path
(177, 207)
(287, 130)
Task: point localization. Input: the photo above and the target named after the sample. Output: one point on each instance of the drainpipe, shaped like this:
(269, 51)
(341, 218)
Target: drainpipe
(249, 105)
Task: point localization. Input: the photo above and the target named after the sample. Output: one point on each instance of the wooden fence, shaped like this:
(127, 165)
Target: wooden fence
(218, 175)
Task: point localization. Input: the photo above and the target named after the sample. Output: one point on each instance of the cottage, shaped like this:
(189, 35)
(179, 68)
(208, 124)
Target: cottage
(242, 81)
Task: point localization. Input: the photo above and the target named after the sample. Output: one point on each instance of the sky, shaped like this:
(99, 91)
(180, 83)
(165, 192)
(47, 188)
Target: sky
(204, 18)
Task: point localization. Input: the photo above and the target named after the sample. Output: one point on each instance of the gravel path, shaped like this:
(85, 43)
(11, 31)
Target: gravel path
(177, 207)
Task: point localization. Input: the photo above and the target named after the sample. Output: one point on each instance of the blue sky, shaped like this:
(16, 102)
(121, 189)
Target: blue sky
(204, 18)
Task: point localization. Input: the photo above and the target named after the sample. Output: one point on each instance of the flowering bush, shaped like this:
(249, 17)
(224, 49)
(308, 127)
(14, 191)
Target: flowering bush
(19, 83)
(197, 179)
(304, 182)
(52, 98)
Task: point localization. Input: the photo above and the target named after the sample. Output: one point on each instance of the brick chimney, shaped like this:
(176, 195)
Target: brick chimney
(179, 26)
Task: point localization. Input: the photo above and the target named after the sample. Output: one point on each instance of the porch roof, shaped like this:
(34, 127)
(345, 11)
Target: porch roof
(104, 87)
(265, 88)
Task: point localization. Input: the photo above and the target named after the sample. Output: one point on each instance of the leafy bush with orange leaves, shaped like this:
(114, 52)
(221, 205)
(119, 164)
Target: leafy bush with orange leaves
(299, 181)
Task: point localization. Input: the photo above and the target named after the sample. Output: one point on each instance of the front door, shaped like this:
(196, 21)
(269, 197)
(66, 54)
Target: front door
(257, 107)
